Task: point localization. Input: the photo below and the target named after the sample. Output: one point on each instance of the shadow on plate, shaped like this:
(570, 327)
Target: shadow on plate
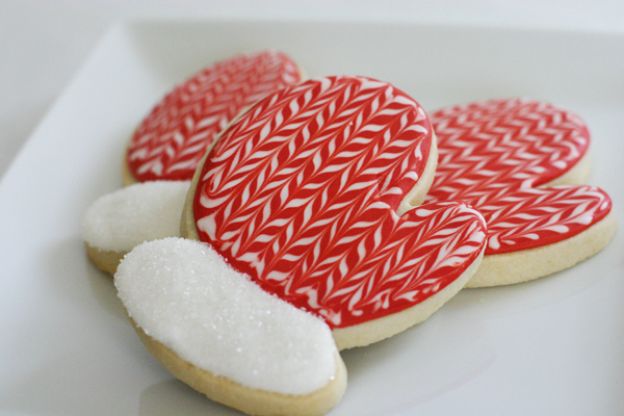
(172, 397)
(71, 273)
(414, 367)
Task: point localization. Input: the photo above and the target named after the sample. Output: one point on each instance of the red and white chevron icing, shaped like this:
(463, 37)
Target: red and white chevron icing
(171, 140)
(495, 154)
(301, 193)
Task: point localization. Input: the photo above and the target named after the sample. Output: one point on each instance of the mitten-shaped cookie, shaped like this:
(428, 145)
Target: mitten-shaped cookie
(509, 159)
(300, 199)
(303, 194)
(308, 198)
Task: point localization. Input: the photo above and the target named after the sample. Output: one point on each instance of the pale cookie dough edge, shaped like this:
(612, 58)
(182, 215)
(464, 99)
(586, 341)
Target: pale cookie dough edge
(105, 260)
(577, 175)
(525, 265)
(379, 329)
(127, 178)
(417, 194)
(248, 400)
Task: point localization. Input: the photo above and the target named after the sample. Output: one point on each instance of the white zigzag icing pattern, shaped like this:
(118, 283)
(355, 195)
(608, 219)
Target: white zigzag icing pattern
(174, 136)
(495, 154)
(301, 193)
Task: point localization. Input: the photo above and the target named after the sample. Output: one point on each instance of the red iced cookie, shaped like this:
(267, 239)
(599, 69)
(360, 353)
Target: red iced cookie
(503, 157)
(171, 140)
(302, 193)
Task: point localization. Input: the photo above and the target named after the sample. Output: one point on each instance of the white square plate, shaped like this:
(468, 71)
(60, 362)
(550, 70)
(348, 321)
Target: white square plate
(554, 346)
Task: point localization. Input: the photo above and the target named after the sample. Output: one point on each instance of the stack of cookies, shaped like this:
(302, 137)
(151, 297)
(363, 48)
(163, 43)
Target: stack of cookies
(270, 221)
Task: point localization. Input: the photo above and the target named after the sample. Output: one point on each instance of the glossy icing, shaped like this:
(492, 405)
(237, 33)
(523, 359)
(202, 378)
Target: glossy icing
(495, 154)
(171, 140)
(301, 194)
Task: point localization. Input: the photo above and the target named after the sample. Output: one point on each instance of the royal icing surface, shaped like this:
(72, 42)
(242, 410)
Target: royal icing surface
(301, 193)
(180, 292)
(495, 154)
(146, 211)
(171, 140)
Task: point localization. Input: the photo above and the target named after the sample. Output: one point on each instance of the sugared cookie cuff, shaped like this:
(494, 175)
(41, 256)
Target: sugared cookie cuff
(120, 220)
(222, 334)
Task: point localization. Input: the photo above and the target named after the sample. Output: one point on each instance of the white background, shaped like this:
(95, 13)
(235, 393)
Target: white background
(553, 346)
(43, 42)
